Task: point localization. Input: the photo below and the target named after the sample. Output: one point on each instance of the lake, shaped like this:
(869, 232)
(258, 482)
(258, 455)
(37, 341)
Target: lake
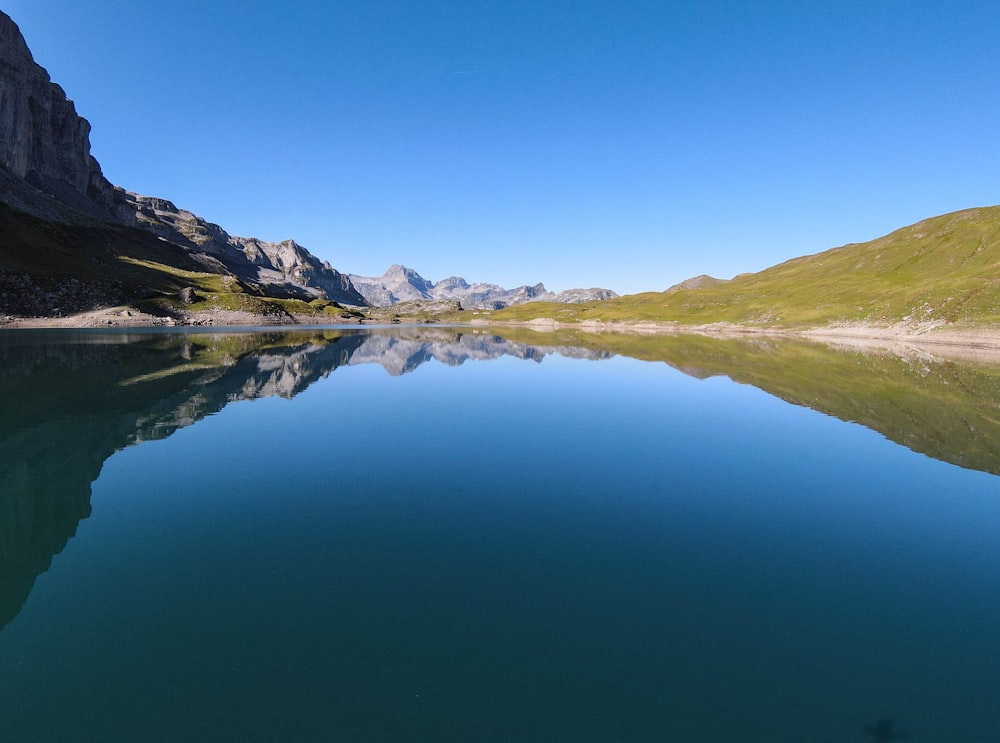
(461, 534)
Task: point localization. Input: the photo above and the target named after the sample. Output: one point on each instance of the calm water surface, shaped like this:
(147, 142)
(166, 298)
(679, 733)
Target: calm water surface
(444, 535)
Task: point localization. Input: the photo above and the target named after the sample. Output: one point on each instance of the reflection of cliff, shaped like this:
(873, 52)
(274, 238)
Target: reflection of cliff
(73, 400)
(948, 410)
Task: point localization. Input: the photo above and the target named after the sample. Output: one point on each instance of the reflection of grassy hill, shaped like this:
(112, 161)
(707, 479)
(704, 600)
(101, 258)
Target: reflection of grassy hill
(945, 268)
(944, 409)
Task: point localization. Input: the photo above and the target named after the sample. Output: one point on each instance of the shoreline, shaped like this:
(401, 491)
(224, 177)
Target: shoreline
(966, 341)
(959, 343)
(968, 336)
(130, 317)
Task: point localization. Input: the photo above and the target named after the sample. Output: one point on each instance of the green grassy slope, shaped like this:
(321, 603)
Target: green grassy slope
(946, 269)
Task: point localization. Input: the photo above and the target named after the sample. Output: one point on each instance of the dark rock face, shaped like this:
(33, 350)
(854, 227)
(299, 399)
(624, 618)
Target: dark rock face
(47, 171)
(42, 139)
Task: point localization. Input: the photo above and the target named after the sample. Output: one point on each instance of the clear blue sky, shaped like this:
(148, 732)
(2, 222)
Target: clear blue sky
(620, 144)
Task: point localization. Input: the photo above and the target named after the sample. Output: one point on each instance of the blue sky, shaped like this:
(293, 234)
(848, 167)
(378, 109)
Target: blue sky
(620, 144)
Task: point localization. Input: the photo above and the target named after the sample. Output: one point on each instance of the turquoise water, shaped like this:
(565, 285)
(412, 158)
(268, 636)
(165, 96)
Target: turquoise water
(272, 538)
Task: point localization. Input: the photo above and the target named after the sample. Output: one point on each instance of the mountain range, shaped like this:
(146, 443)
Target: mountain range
(402, 284)
(72, 241)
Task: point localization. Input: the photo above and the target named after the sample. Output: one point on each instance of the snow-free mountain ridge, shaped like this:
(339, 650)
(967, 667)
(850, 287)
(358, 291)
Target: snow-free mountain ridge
(402, 284)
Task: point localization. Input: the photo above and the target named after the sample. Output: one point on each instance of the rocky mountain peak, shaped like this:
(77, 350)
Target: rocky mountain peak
(398, 273)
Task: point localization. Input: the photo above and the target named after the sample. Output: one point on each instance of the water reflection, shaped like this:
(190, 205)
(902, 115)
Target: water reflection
(940, 405)
(71, 400)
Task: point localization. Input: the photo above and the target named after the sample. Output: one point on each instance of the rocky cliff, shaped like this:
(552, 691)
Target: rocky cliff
(48, 173)
(43, 142)
(402, 284)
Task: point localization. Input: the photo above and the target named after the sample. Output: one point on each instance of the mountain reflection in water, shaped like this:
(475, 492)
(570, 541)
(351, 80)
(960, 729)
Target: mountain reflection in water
(71, 400)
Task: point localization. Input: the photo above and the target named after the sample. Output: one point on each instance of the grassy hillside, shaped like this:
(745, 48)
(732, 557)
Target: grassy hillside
(943, 269)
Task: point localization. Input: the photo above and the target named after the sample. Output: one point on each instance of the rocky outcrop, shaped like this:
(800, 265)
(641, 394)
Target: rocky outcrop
(402, 284)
